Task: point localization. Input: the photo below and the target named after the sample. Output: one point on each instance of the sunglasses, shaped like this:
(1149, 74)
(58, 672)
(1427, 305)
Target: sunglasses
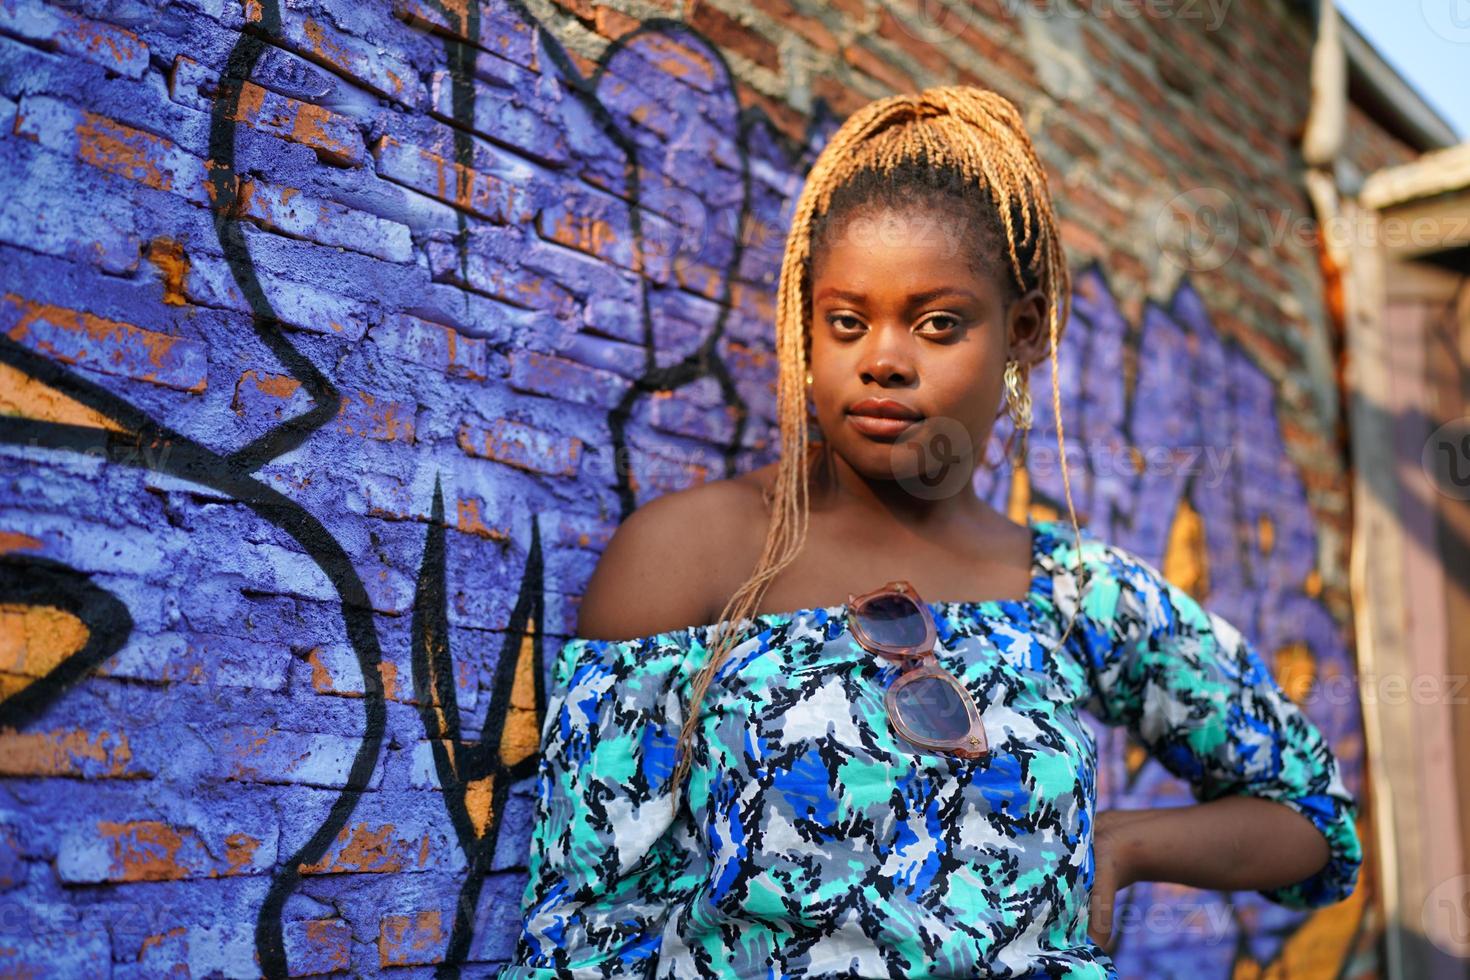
(927, 705)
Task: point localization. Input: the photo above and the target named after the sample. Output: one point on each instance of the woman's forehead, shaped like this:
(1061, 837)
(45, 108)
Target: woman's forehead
(917, 234)
(857, 270)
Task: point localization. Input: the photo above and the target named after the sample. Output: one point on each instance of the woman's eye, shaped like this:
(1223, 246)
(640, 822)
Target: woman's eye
(936, 324)
(944, 323)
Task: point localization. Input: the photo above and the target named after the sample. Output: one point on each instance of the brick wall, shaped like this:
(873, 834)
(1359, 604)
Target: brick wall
(335, 340)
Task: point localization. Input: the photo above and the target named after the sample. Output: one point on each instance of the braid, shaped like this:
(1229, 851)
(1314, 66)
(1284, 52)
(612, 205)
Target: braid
(955, 141)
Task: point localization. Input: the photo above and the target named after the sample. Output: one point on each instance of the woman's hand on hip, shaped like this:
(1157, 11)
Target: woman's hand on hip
(1112, 872)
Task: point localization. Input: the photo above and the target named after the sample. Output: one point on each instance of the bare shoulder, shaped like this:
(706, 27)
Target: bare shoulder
(667, 565)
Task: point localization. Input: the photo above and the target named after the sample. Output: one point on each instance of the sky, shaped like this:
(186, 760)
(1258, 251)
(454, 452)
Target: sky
(1428, 43)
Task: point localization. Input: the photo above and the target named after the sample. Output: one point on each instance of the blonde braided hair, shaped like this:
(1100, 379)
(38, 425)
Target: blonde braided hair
(980, 133)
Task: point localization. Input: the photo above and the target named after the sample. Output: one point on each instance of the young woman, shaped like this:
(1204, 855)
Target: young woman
(868, 760)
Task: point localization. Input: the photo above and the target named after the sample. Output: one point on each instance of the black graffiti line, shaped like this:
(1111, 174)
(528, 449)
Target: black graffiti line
(223, 123)
(459, 764)
(195, 462)
(32, 580)
(460, 56)
(291, 433)
(706, 360)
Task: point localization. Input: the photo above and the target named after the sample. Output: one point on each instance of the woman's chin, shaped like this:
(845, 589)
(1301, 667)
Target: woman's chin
(931, 461)
(872, 460)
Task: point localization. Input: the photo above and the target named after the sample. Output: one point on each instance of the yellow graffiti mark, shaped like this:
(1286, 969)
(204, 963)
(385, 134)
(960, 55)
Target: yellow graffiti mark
(1265, 533)
(168, 256)
(1135, 757)
(1020, 497)
(479, 801)
(1295, 669)
(34, 640)
(1317, 948)
(24, 396)
(520, 733)
(1186, 556)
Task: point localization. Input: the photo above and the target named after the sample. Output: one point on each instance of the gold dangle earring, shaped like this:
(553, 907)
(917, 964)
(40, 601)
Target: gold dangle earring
(1018, 395)
(1018, 406)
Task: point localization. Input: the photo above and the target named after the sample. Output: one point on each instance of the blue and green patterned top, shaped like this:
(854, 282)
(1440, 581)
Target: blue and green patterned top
(816, 842)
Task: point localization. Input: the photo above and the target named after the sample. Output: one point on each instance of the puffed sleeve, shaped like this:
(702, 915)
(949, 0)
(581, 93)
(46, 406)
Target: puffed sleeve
(604, 865)
(1197, 695)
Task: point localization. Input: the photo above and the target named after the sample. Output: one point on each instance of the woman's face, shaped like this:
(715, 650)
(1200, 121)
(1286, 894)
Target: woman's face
(903, 324)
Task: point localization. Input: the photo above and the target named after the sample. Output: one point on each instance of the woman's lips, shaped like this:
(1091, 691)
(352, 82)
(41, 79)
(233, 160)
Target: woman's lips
(878, 427)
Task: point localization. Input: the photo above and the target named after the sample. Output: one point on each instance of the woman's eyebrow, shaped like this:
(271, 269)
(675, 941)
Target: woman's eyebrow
(914, 300)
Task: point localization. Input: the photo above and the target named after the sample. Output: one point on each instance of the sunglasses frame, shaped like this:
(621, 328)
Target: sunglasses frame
(917, 662)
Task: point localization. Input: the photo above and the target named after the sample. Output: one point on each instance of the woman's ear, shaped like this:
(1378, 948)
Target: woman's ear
(1028, 335)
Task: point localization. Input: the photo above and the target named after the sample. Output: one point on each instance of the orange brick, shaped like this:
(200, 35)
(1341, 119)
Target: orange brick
(786, 120)
(842, 99)
(898, 33)
(583, 10)
(411, 940)
(371, 849)
(156, 850)
(99, 755)
(111, 346)
(873, 66)
(611, 23)
(726, 32)
(1079, 241)
(808, 27)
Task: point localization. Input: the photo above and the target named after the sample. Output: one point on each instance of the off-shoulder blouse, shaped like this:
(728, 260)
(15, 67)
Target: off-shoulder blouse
(814, 841)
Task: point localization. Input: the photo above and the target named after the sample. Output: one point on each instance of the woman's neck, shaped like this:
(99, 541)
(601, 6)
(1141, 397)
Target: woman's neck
(839, 490)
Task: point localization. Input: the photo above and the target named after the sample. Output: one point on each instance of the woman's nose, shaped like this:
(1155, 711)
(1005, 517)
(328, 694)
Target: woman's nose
(885, 359)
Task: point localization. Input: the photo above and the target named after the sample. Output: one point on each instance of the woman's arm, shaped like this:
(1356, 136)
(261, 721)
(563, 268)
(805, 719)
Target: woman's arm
(1237, 843)
(1197, 695)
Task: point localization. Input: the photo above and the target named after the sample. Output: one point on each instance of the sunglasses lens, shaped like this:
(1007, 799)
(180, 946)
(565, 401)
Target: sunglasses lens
(892, 619)
(932, 709)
